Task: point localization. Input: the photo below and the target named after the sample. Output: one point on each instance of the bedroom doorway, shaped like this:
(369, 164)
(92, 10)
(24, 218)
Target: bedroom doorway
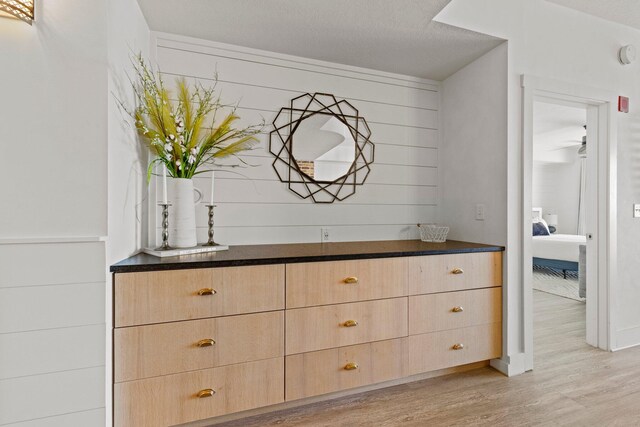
(558, 197)
(570, 185)
(559, 187)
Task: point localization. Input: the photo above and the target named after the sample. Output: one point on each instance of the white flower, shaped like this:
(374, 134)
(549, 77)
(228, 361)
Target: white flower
(168, 148)
(181, 139)
(179, 125)
(194, 151)
(169, 157)
(171, 137)
(191, 159)
(179, 164)
(156, 141)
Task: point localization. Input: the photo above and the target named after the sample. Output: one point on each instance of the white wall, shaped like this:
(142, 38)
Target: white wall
(53, 137)
(401, 111)
(556, 189)
(473, 150)
(53, 129)
(128, 34)
(550, 41)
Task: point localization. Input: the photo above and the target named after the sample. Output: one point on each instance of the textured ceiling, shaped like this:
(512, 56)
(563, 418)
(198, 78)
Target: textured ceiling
(626, 12)
(395, 36)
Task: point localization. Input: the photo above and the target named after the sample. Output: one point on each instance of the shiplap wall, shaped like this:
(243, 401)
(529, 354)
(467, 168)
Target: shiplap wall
(255, 207)
(52, 329)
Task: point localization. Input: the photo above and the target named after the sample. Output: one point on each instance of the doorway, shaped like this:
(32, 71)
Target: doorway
(598, 203)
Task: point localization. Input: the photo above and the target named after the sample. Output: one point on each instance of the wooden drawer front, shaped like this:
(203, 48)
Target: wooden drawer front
(326, 371)
(322, 283)
(444, 273)
(317, 328)
(452, 310)
(428, 352)
(153, 350)
(165, 296)
(173, 399)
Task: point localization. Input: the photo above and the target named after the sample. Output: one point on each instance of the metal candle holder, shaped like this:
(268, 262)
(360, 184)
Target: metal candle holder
(210, 242)
(165, 227)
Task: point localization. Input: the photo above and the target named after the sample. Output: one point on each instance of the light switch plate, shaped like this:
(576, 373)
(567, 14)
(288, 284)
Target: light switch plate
(636, 210)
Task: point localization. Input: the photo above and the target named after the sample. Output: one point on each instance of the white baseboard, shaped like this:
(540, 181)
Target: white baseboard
(510, 365)
(626, 338)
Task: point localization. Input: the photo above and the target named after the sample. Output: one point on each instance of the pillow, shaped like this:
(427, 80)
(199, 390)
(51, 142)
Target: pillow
(543, 222)
(539, 229)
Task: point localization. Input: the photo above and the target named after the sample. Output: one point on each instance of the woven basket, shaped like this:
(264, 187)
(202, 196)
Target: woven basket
(433, 233)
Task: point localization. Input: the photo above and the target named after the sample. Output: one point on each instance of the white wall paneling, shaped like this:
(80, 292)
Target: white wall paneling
(92, 417)
(60, 393)
(254, 206)
(52, 330)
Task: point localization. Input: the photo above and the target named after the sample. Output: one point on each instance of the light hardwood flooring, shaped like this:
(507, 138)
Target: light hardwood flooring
(572, 384)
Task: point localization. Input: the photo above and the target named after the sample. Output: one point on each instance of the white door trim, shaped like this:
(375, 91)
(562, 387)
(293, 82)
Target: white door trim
(605, 101)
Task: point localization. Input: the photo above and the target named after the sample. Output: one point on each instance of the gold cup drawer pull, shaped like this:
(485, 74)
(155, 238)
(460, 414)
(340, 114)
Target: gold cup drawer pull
(207, 392)
(458, 346)
(350, 366)
(207, 291)
(350, 323)
(207, 342)
(457, 309)
(457, 271)
(351, 280)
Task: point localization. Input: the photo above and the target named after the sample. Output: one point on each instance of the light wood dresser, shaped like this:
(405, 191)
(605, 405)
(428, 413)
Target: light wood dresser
(256, 326)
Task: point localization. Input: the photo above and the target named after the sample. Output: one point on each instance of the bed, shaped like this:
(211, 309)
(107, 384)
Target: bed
(556, 251)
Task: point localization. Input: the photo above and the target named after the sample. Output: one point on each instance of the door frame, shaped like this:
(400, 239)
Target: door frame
(600, 326)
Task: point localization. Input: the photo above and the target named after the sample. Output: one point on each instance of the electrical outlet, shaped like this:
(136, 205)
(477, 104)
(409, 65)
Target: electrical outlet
(324, 235)
(480, 212)
(636, 210)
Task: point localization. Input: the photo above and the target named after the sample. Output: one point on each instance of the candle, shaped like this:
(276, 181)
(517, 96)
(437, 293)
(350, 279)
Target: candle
(213, 178)
(164, 183)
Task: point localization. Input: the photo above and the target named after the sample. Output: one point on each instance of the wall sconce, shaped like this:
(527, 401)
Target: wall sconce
(21, 9)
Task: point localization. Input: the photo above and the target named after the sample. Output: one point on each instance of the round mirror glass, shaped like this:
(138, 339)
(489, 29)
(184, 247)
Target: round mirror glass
(323, 147)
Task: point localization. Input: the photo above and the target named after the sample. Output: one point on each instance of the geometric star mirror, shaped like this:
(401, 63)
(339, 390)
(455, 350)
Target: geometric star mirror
(322, 147)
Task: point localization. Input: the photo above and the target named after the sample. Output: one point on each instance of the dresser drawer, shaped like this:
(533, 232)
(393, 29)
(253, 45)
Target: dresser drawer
(452, 310)
(317, 328)
(438, 350)
(321, 283)
(165, 296)
(173, 399)
(326, 371)
(444, 273)
(169, 348)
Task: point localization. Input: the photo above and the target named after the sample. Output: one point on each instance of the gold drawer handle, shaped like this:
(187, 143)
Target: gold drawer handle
(458, 346)
(208, 342)
(351, 280)
(457, 309)
(457, 271)
(207, 392)
(350, 323)
(350, 366)
(206, 291)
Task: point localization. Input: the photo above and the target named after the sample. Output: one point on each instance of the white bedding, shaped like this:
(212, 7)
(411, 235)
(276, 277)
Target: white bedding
(558, 246)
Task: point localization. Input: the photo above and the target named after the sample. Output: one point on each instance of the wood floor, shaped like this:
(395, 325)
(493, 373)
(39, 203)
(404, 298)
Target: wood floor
(572, 384)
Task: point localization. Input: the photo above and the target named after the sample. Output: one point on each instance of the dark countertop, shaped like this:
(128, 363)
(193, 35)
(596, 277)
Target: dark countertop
(298, 252)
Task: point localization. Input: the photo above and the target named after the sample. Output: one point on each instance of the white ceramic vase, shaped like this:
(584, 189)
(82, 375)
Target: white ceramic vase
(182, 213)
